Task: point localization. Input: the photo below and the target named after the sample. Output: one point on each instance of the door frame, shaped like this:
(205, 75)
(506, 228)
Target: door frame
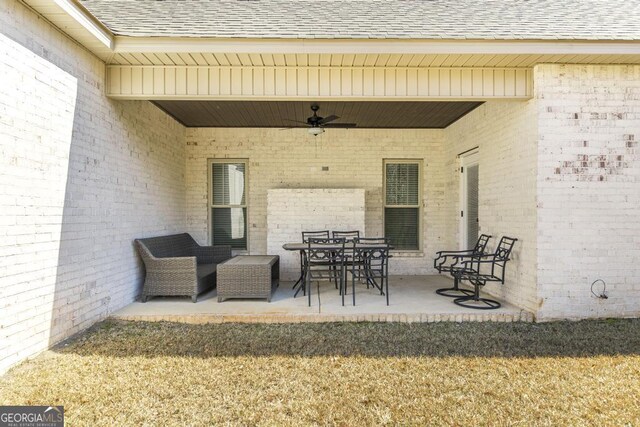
(469, 158)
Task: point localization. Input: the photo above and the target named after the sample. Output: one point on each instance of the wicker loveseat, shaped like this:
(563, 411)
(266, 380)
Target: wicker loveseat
(177, 265)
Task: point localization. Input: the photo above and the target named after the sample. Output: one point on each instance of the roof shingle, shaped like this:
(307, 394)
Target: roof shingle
(375, 19)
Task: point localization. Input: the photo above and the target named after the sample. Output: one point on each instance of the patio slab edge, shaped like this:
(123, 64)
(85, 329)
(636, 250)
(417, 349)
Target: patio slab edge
(519, 316)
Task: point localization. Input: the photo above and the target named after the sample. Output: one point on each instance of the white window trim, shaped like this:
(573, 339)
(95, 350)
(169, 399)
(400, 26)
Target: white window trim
(210, 204)
(408, 252)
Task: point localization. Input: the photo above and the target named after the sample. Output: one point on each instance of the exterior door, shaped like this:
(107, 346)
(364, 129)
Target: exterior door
(469, 219)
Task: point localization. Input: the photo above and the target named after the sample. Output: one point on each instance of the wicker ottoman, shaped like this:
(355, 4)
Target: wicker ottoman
(248, 276)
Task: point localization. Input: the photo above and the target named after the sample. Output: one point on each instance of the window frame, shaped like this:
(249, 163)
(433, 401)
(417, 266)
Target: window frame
(211, 206)
(419, 204)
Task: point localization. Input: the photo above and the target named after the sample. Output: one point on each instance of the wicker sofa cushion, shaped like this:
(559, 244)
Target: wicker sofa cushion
(176, 245)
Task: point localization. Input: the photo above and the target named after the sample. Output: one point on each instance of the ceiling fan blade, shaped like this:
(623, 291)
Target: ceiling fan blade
(295, 121)
(340, 125)
(328, 119)
(289, 128)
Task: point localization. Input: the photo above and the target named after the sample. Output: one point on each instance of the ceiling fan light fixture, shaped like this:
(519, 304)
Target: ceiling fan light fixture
(315, 131)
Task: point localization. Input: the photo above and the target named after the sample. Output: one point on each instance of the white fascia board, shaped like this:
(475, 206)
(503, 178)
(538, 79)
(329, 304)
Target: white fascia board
(87, 21)
(310, 46)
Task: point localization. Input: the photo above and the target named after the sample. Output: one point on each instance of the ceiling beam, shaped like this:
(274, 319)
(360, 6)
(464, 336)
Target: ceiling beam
(297, 83)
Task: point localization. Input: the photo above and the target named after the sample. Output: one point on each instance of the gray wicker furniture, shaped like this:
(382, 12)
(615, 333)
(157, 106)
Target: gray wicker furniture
(177, 266)
(248, 276)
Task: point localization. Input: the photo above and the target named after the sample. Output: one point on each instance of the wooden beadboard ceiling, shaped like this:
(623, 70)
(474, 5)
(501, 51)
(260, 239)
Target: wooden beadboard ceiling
(280, 114)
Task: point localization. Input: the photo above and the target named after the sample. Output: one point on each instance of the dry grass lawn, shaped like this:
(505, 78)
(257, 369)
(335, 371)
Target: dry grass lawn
(346, 374)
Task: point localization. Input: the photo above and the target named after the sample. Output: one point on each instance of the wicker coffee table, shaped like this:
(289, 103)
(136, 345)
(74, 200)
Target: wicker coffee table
(248, 276)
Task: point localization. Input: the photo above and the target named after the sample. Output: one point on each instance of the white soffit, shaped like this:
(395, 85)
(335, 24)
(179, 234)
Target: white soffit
(398, 60)
(316, 46)
(367, 53)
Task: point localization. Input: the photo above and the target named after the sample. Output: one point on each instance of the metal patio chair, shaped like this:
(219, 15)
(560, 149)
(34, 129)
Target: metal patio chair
(347, 235)
(450, 261)
(306, 235)
(481, 269)
(372, 265)
(324, 260)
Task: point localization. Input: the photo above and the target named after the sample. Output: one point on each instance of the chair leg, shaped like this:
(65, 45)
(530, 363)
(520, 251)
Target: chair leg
(302, 285)
(386, 285)
(300, 279)
(353, 288)
(365, 273)
(308, 286)
(343, 282)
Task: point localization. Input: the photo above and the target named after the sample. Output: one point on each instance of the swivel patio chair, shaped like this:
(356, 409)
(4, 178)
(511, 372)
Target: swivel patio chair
(450, 261)
(481, 269)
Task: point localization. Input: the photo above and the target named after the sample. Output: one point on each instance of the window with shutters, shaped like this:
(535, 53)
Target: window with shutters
(228, 203)
(402, 192)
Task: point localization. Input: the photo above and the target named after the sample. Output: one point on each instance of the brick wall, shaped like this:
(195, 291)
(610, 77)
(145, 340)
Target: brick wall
(506, 134)
(81, 177)
(292, 211)
(295, 159)
(588, 189)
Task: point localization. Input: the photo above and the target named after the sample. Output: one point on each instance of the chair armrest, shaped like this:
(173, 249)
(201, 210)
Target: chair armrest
(468, 266)
(473, 258)
(212, 254)
(486, 261)
(443, 253)
(173, 263)
(445, 257)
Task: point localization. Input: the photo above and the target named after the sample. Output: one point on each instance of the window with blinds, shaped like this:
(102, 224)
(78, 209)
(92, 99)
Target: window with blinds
(229, 203)
(402, 203)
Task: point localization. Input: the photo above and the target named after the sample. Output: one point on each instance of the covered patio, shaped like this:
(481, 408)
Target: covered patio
(259, 171)
(249, 111)
(279, 180)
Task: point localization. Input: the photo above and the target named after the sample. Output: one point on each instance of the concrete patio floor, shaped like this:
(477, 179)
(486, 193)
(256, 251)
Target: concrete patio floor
(411, 299)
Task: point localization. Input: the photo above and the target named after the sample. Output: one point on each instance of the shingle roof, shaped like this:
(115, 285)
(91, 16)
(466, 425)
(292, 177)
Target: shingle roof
(377, 19)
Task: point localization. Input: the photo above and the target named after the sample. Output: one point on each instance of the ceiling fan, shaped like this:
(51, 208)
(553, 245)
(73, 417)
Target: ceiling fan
(317, 124)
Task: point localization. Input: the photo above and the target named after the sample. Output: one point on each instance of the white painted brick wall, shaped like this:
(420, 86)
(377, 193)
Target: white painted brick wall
(292, 211)
(588, 189)
(81, 176)
(294, 159)
(506, 134)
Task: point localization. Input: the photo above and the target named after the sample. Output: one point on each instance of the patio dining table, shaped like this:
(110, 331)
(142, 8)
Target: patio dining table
(348, 246)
